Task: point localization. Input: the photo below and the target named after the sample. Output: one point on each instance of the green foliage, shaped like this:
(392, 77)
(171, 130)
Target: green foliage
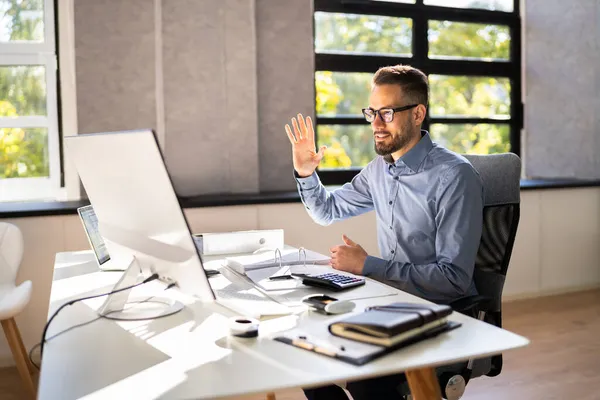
(329, 93)
(466, 40)
(474, 139)
(24, 87)
(354, 33)
(23, 151)
(340, 93)
(346, 93)
(348, 145)
(22, 19)
(483, 97)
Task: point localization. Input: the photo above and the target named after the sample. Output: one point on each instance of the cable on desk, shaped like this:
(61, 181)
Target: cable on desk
(90, 321)
(56, 335)
(149, 279)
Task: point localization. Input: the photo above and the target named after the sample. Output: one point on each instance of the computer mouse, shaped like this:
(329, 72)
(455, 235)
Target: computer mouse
(339, 307)
(328, 304)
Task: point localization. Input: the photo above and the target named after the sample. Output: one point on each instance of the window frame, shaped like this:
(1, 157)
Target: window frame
(420, 15)
(43, 54)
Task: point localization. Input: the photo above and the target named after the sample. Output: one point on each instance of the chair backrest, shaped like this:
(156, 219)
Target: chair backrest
(501, 175)
(11, 252)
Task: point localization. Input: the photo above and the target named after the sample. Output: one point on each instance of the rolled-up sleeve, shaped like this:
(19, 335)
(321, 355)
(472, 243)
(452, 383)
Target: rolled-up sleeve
(324, 207)
(459, 219)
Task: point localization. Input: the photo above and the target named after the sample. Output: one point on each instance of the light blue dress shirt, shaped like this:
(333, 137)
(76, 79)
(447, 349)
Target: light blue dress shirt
(429, 208)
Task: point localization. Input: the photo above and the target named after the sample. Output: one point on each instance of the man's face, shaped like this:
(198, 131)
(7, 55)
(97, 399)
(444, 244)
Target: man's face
(392, 136)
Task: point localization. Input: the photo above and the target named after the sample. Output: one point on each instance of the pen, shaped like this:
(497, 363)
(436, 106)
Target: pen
(313, 347)
(280, 277)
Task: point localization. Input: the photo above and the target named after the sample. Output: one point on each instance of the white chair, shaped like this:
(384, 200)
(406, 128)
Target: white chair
(13, 299)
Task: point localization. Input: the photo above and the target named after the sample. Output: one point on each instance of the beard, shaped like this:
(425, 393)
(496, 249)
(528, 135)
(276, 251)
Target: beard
(398, 141)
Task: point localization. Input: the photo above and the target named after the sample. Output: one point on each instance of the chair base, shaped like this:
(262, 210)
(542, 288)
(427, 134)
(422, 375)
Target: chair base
(24, 366)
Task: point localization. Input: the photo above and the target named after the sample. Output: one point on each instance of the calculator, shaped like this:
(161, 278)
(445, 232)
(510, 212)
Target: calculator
(332, 281)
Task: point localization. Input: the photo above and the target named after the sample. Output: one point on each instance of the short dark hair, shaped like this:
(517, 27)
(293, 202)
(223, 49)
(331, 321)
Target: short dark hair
(412, 80)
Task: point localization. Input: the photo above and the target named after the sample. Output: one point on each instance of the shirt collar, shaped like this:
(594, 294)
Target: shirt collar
(415, 156)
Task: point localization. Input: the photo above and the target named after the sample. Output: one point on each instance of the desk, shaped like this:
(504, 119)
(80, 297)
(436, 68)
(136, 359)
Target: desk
(189, 355)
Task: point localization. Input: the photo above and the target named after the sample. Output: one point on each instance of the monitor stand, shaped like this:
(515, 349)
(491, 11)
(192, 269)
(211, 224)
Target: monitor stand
(120, 306)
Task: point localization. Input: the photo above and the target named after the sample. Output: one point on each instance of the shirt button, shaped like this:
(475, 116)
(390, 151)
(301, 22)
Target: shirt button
(307, 208)
(390, 203)
(304, 183)
(391, 227)
(392, 251)
(396, 178)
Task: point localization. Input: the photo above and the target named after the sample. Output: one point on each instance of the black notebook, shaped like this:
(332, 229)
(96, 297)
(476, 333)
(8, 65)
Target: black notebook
(373, 333)
(391, 324)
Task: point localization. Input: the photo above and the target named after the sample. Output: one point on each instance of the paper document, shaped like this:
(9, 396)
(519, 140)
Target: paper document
(268, 259)
(291, 291)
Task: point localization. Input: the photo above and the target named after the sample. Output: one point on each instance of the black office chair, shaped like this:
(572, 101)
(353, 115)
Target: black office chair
(501, 175)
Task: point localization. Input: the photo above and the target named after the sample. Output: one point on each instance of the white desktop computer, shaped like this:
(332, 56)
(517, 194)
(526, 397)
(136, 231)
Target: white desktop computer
(140, 217)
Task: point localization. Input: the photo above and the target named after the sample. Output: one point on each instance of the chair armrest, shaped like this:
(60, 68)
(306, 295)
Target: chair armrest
(469, 302)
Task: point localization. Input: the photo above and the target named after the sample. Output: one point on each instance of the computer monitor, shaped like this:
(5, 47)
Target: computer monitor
(139, 215)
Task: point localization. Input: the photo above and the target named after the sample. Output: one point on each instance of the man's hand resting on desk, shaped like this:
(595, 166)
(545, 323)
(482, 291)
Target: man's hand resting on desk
(305, 158)
(349, 257)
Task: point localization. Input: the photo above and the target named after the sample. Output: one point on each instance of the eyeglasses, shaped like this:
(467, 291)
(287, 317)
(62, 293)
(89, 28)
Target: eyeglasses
(386, 114)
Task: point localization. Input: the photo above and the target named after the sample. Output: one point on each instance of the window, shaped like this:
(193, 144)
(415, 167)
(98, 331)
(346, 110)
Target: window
(29, 138)
(470, 50)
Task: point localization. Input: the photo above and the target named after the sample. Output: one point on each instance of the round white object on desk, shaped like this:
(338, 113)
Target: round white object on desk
(243, 327)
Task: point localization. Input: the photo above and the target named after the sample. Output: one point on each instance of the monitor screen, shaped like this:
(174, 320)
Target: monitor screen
(90, 223)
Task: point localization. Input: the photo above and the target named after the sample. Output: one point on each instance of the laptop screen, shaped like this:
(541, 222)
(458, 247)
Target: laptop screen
(90, 224)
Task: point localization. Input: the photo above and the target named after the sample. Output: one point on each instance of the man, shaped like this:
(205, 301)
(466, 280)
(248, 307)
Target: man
(428, 203)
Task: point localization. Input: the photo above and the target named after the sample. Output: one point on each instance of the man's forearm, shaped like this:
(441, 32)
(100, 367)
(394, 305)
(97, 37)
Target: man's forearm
(435, 281)
(325, 207)
(314, 196)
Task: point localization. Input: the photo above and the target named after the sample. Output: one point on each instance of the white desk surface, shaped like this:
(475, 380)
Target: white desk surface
(189, 355)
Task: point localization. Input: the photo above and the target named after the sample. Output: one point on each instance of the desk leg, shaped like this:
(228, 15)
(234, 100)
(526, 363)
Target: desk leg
(423, 384)
(271, 396)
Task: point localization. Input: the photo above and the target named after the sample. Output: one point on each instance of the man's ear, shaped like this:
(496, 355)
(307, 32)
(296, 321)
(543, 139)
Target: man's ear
(420, 113)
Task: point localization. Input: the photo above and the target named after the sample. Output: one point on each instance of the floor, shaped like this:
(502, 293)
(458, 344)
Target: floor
(562, 361)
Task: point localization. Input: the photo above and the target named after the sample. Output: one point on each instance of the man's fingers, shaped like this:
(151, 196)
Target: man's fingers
(321, 153)
(297, 131)
(302, 126)
(310, 134)
(288, 130)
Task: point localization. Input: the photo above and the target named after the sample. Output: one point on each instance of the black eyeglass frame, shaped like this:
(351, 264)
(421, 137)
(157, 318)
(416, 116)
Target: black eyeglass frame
(378, 112)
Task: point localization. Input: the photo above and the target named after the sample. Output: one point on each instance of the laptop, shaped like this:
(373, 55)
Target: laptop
(90, 227)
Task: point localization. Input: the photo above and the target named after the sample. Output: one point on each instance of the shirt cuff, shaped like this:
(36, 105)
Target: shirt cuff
(308, 183)
(374, 267)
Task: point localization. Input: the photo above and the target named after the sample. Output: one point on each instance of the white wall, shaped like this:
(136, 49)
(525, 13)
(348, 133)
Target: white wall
(557, 247)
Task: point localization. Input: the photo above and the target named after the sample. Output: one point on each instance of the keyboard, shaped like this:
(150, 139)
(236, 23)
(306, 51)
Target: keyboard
(332, 281)
(251, 303)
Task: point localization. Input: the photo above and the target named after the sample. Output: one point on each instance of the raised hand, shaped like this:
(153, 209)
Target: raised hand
(305, 158)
